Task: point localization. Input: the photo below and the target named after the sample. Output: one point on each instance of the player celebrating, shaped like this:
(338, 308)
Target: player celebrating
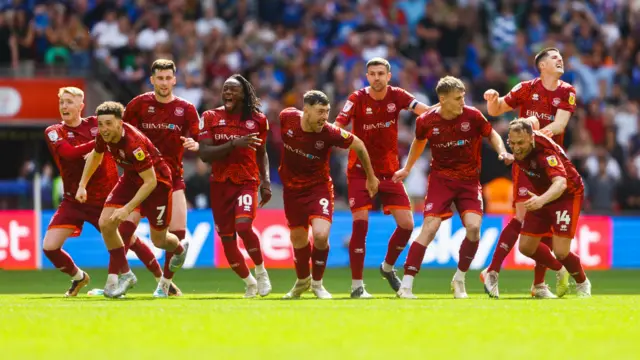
(308, 189)
(166, 120)
(557, 207)
(551, 101)
(374, 111)
(233, 141)
(68, 143)
(455, 133)
(145, 183)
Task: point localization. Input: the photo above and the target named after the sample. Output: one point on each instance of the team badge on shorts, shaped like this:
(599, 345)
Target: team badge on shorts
(522, 191)
(352, 202)
(552, 161)
(428, 207)
(139, 154)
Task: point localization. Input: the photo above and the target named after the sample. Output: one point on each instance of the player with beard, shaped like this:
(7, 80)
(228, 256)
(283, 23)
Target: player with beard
(308, 188)
(69, 142)
(553, 208)
(233, 141)
(145, 184)
(373, 112)
(168, 121)
(551, 101)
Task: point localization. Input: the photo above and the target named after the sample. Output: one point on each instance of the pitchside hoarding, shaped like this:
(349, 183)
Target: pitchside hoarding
(601, 242)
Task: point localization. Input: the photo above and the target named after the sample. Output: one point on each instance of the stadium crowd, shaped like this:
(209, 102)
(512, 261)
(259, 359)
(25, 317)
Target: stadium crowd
(286, 47)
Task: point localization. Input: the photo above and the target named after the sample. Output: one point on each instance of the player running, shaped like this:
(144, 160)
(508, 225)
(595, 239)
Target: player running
(551, 101)
(233, 140)
(145, 183)
(454, 132)
(69, 142)
(308, 188)
(166, 120)
(374, 112)
(553, 208)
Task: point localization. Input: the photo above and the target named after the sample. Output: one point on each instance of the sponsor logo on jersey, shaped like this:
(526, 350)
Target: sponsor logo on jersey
(300, 152)
(161, 126)
(380, 125)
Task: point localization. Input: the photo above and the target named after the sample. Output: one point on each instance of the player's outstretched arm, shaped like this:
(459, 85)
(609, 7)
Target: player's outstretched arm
(372, 181)
(91, 165)
(417, 147)
(422, 108)
(70, 152)
(496, 105)
(209, 152)
(559, 124)
(498, 146)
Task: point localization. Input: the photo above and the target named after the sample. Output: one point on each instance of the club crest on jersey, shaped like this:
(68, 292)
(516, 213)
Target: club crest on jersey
(151, 110)
(556, 101)
(391, 107)
(572, 99)
(522, 191)
(179, 111)
(222, 122)
(347, 106)
(250, 124)
(94, 131)
(121, 152)
(535, 97)
(369, 111)
(139, 154)
(290, 133)
(436, 131)
(465, 126)
(552, 161)
(70, 135)
(319, 144)
(53, 135)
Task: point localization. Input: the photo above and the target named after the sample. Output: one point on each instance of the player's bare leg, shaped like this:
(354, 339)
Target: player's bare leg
(320, 229)
(301, 257)
(52, 247)
(175, 251)
(239, 265)
(571, 261)
(416, 255)
(244, 229)
(472, 222)
(357, 252)
(178, 227)
(532, 247)
(117, 257)
(397, 243)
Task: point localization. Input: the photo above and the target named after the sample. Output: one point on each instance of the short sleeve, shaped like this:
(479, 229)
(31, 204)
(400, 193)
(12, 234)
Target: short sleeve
(483, 124)
(264, 128)
(517, 96)
(53, 136)
(194, 121)
(422, 128)
(130, 113)
(568, 100)
(339, 137)
(205, 126)
(348, 110)
(406, 100)
(141, 159)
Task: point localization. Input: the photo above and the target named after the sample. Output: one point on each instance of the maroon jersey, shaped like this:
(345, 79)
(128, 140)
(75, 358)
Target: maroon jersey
(305, 160)
(135, 153)
(68, 145)
(375, 122)
(241, 165)
(546, 161)
(163, 124)
(534, 100)
(455, 144)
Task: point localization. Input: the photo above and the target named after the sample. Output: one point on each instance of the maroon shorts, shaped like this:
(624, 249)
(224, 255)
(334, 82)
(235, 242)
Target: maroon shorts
(73, 215)
(521, 185)
(558, 218)
(156, 207)
(230, 201)
(302, 205)
(392, 195)
(442, 192)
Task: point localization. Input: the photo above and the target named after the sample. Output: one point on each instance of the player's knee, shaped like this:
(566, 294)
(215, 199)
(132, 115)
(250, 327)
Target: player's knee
(406, 223)
(527, 248)
(321, 238)
(243, 227)
(159, 239)
(473, 232)
(561, 253)
(106, 225)
(51, 243)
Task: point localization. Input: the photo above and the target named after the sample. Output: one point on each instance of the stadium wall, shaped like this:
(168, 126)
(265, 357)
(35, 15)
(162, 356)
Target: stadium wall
(602, 242)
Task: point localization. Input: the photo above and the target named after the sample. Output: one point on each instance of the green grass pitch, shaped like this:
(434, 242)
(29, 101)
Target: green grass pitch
(212, 321)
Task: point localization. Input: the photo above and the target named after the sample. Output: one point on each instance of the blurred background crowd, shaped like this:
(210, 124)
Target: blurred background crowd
(286, 47)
